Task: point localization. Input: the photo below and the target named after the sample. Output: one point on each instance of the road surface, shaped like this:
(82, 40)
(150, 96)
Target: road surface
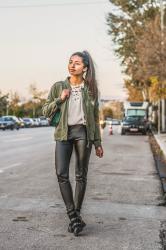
(121, 204)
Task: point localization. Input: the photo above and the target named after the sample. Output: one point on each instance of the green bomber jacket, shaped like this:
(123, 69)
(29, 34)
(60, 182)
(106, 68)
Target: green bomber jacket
(90, 107)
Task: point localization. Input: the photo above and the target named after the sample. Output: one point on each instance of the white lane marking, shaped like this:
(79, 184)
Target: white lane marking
(10, 166)
(18, 139)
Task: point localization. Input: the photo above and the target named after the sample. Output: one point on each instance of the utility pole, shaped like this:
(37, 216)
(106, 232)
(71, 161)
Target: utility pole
(161, 103)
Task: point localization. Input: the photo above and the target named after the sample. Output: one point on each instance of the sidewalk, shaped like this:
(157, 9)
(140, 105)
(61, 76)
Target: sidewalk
(161, 166)
(161, 140)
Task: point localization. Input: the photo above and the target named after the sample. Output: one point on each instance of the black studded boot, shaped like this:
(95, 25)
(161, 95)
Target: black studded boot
(82, 222)
(75, 225)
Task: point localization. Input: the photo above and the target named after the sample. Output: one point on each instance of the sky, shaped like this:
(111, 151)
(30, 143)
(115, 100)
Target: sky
(38, 39)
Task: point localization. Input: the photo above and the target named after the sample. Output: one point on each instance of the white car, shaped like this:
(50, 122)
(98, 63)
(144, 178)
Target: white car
(43, 121)
(36, 122)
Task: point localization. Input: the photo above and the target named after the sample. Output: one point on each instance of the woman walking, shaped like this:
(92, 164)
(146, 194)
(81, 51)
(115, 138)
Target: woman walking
(78, 128)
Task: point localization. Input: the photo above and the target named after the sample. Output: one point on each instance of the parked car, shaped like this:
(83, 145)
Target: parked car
(36, 122)
(11, 122)
(134, 124)
(115, 122)
(3, 124)
(43, 121)
(28, 122)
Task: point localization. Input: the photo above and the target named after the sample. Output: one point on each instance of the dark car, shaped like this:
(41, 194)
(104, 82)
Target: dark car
(134, 124)
(28, 122)
(3, 124)
(11, 122)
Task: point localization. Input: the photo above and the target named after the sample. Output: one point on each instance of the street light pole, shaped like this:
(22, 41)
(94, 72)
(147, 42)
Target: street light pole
(161, 103)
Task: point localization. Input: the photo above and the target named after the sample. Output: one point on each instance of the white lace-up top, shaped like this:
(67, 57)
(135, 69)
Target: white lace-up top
(75, 109)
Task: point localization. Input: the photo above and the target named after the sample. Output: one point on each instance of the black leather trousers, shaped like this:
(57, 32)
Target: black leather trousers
(77, 139)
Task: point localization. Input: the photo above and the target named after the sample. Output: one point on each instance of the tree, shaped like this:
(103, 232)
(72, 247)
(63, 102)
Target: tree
(106, 111)
(134, 94)
(117, 109)
(127, 24)
(157, 91)
(151, 49)
(127, 27)
(14, 102)
(3, 103)
(37, 97)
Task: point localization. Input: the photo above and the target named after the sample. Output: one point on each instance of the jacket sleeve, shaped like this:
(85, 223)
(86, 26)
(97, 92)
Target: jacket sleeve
(97, 136)
(53, 101)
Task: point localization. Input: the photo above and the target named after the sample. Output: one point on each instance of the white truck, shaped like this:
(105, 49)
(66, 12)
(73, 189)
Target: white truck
(136, 109)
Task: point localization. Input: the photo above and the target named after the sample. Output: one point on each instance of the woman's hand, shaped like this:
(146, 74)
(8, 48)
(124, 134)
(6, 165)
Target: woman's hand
(99, 151)
(65, 94)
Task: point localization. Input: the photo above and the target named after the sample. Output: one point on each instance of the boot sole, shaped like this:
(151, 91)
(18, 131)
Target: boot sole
(71, 230)
(77, 231)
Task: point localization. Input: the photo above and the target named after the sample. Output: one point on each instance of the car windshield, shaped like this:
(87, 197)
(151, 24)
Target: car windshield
(43, 118)
(7, 119)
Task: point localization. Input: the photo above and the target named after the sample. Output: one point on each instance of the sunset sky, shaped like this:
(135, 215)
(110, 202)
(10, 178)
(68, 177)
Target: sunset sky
(38, 37)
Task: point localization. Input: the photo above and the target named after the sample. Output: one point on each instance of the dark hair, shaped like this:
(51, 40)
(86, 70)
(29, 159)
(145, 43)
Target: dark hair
(90, 77)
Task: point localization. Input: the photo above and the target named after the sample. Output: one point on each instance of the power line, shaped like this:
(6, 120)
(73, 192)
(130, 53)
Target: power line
(50, 5)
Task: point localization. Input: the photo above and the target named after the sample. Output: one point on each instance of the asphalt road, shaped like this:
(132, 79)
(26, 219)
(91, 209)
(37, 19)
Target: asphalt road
(120, 206)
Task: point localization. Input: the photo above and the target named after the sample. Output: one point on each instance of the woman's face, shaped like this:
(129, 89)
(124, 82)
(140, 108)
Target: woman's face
(76, 66)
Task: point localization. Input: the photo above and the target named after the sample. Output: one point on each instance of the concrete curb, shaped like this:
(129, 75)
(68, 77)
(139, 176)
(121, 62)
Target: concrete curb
(161, 143)
(160, 165)
(161, 169)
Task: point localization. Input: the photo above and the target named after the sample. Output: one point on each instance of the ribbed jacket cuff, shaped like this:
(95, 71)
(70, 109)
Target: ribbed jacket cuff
(58, 101)
(97, 143)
